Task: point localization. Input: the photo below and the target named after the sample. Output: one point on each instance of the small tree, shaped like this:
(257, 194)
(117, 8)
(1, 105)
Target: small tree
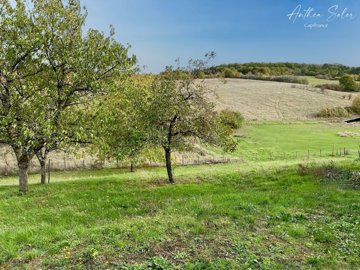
(119, 127)
(348, 83)
(231, 119)
(180, 110)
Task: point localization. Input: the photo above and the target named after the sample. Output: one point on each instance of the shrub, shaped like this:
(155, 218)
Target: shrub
(330, 86)
(231, 73)
(348, 83)
(329, 173)
(355, 180)
(350, 110)
(333, 112)
(231, 119)
(290, 79)
(287, 79)
(356, 104)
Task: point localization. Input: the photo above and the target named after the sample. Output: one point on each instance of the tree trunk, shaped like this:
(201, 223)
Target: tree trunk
(132, 166)
(23, 160)
(43, 172)
(23, 177)
(168, 165)
(42, 156)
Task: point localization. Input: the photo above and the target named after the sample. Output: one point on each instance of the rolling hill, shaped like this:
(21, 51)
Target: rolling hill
(264, 100)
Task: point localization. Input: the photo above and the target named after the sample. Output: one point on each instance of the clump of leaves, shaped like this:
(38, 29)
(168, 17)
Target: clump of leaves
(231, 119)
(159, 263)
(355, 180)
(348, 83)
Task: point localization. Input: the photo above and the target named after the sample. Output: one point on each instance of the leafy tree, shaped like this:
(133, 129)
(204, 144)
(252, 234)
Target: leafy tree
(119, 121)
(179, 110)
(231, 119)
(348, 83)
(49, 71)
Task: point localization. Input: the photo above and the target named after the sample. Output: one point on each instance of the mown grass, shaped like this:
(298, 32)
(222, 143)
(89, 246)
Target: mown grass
(297, 140)
(215, 217)
(316, 81)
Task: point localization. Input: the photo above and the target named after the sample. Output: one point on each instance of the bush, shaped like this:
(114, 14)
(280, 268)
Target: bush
(348, 83)
(330, 86)
(290, 79)
(355, 180)
(287, 79)
(329, 173)
(231, 73)
(356, 104)
(231, 119)
(333, 112)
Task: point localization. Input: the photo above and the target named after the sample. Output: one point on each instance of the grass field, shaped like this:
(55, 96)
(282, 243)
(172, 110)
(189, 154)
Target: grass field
(297, 140)
(215, 217)
(315, 81)
(263, 100)
(263, 213)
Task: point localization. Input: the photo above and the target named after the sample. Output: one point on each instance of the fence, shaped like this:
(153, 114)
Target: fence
(62, 162)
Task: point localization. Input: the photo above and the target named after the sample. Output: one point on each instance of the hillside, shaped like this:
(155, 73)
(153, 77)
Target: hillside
(215, 217)
(263, 100)
(256, 100)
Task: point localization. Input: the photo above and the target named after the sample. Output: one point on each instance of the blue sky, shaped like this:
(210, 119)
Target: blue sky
(160, 31)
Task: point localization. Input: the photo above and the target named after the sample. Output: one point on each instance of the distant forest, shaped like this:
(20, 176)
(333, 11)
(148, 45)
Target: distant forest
(325, 71)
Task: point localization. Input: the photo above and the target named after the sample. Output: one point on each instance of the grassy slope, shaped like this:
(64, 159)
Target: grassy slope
(274, 140)
(315, 81)
(216, 217)
(290, 141)
(273, 100)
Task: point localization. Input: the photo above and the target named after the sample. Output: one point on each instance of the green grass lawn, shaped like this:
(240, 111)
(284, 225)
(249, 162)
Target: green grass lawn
(286, 141)
(257, 214)
(215, 217)
(315, 81)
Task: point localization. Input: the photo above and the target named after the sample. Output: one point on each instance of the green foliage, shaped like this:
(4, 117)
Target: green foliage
(118, 121)
(348, 83)
(159, 263)
(356, 104)
(231, 119)
(49, 72)
(230, 73)
(180, 111)
(333, 112)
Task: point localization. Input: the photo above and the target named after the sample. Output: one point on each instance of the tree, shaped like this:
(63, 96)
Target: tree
(119, 126)
(179, 110)
(348, 83)
(50, 70)
(231, 119)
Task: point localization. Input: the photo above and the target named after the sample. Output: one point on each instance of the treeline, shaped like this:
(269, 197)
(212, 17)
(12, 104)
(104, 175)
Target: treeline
(325, 71)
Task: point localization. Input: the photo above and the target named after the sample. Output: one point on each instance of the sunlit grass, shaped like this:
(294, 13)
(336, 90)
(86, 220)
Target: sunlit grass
(230, 216)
